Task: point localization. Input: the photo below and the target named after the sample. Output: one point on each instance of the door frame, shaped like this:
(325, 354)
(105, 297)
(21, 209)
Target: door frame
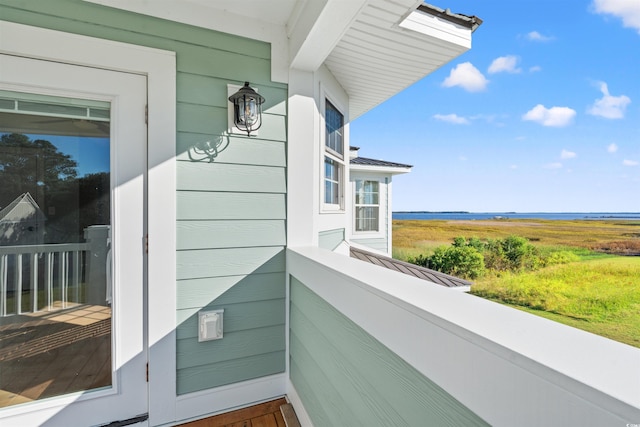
(160, 68)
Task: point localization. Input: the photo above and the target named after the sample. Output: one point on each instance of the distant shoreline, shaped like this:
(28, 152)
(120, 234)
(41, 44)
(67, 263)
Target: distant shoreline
(517, 213)
(465, 215)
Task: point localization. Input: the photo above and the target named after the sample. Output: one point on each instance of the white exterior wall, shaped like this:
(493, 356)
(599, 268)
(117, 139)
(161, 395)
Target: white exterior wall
(307, 94)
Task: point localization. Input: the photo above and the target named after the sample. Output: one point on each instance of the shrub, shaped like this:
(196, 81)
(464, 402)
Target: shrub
(520, 254)
(471, 258)
(494, 258)
(461, 261)
(420, 260)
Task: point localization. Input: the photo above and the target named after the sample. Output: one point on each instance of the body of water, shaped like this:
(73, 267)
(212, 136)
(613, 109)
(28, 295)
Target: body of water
(518, 215)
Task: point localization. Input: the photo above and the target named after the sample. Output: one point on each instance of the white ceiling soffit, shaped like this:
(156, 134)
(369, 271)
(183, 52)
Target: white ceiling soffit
(383, 53)
(375, 48)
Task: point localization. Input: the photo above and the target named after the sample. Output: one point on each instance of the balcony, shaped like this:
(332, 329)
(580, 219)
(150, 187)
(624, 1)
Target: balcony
(369, 346)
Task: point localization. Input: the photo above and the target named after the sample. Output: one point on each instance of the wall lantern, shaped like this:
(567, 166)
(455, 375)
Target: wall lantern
(247, 109)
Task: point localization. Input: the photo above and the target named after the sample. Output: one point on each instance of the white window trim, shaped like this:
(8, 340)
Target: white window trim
(160, 68)
(342, 160)
(382, 207)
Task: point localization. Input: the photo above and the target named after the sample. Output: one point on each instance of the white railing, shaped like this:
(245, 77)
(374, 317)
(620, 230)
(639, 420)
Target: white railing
(54, 273)
(506, 366)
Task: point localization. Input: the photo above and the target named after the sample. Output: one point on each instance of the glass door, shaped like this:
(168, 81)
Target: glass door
(72, 225)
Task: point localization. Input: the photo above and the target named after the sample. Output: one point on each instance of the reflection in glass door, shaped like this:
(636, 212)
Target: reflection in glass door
(55, 247)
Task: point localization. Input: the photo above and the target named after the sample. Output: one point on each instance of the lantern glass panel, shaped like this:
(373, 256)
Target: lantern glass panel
(248, 108)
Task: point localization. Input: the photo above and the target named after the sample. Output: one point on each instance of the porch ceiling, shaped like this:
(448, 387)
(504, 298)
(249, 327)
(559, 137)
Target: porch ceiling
(374, 48)
(377, 57)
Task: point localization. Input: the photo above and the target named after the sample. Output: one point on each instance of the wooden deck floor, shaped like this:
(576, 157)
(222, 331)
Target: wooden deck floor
(51, 353)
(276, 413)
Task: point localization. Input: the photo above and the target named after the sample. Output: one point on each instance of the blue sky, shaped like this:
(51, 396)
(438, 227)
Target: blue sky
(541, 115)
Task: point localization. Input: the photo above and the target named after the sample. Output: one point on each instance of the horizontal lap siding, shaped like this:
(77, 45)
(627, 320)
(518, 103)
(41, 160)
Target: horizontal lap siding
(344, 376)
(230, 202)
(331, 239)
(378, 243)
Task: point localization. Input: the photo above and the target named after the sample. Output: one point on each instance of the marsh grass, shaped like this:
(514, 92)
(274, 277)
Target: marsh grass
(599, 293)
(602, 235)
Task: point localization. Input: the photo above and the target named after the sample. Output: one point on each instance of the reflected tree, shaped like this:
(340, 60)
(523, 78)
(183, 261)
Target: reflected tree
(69, 203)
(34, 166)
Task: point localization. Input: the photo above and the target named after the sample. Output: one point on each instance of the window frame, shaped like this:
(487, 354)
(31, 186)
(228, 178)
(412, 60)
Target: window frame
(337, 158)
(378, 205)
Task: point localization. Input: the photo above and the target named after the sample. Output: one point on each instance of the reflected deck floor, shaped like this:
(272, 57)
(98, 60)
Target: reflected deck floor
(50, 353)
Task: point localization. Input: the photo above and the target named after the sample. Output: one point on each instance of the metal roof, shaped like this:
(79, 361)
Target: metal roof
(472, 22)
(372, 162)
(410, 269)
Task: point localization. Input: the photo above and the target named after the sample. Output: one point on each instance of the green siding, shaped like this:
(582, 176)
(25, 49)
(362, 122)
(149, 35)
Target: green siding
(230, 290)
(229, 262)
(331, 239)
(230, 177)
(237, 317)
(231, 371)
(344, 376)
(379, 244)
(206, 205)
(229, 233)
(230, 205)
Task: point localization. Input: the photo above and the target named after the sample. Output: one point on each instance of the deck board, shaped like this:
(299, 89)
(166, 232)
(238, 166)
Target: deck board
(266, 414)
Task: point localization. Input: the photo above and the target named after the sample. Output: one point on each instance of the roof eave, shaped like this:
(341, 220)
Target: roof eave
(380, 169)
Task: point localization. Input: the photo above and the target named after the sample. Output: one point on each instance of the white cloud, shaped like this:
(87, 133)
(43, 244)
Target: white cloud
(627, 10)
(451, 118)
(535, 69)
(556, 165)
(612, 148)
(609, 107)
(554, 116)
(506, 64)
(565, 154)
(513, 167)
(466, 76)
(463, 158)
(537, 37)
(630, 162)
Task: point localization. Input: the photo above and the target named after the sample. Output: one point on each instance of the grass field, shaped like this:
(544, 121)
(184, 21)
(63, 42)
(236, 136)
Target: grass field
(599, 294)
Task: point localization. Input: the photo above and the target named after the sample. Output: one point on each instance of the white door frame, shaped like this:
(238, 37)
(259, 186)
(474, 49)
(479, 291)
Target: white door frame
(160, 68)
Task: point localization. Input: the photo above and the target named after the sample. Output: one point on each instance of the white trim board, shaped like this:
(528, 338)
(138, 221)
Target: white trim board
(227, 398)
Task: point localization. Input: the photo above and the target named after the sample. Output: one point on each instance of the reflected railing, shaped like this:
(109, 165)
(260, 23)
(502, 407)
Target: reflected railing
(51, 276)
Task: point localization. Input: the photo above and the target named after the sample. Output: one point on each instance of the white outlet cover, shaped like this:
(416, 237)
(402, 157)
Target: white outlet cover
(210, 325)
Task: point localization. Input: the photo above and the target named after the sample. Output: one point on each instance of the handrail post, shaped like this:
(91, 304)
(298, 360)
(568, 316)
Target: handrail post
(96, 237)
(34, 282)
(3, 285)
(75, 276)
(17, 292)
(48, 280)
(63, 275)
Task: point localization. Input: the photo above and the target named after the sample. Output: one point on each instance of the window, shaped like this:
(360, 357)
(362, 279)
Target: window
(334, 156)
(367, 203)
